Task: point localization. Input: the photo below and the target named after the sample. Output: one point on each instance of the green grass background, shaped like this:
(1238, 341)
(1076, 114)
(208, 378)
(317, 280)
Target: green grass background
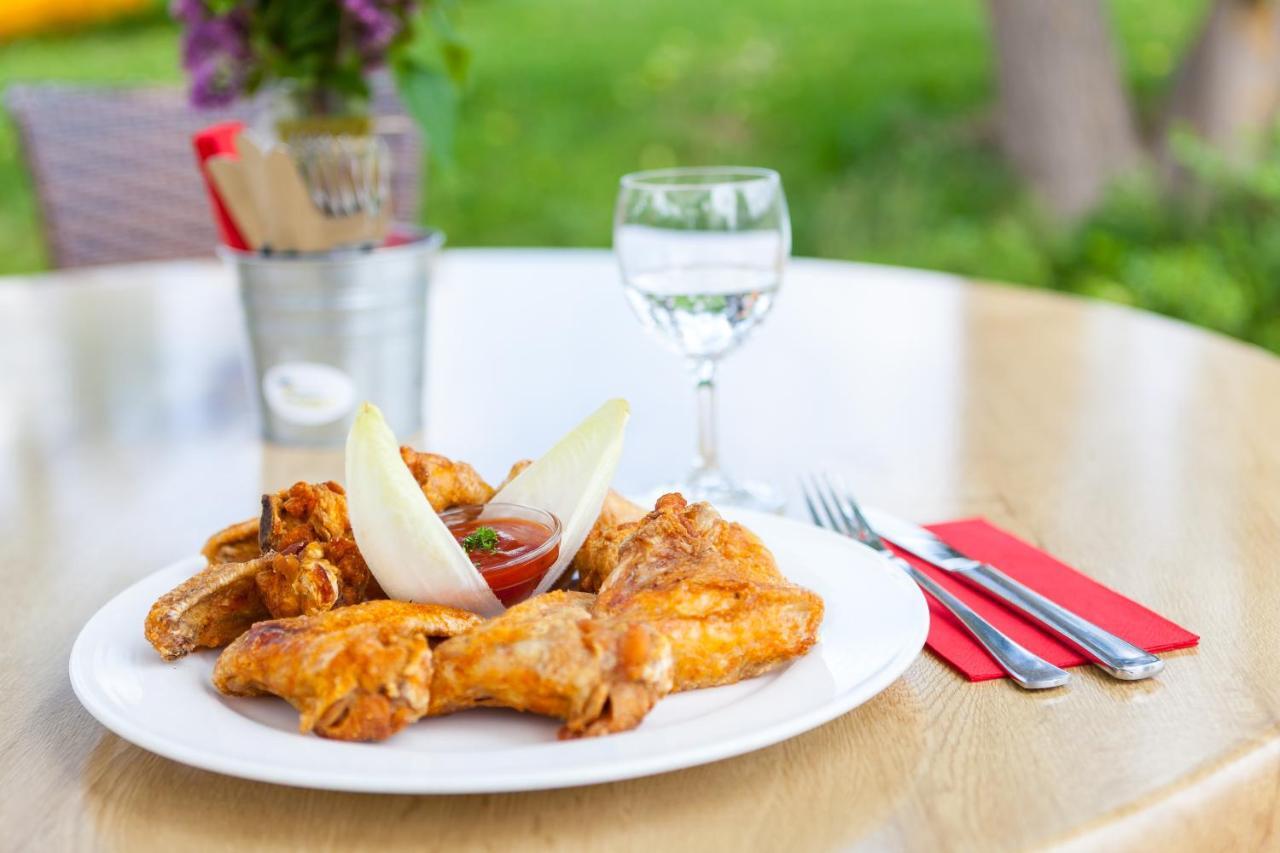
(878, 114)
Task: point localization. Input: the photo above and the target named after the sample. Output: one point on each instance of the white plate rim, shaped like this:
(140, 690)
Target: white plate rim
(602, 772)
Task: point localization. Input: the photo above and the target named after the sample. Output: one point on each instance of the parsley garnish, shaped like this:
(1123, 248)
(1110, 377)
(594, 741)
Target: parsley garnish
(481, 539)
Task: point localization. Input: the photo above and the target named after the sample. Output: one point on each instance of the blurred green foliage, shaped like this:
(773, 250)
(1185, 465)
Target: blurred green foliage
(1209, 253)
(878, 114)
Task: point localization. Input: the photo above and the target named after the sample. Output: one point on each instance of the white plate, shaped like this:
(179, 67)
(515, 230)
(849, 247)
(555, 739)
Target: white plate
(875, 625)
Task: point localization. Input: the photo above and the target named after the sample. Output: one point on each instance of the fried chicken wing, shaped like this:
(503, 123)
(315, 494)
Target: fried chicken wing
(446, 483)
(713, 589)
(549, 656)
(208, 610)
(323, 568)
(322, 576)
(234, 544)
(316, 565)
(598, 556)
(357, 673)
(302, 513)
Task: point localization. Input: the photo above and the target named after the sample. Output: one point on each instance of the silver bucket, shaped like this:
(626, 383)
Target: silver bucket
(329, 331)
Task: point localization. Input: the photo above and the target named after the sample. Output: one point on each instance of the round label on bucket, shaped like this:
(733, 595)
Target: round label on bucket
(307, 393)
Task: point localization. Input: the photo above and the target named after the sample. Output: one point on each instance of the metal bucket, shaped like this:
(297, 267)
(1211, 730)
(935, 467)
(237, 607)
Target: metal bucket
(333, 330)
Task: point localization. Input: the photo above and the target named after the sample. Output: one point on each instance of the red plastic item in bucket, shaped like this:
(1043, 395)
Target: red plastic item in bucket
(219, 139)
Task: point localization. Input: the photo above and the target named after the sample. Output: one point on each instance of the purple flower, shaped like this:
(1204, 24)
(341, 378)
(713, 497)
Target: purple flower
(215, 83)
(215, 52)
(229, 46)
(214, 38)
(376, 23)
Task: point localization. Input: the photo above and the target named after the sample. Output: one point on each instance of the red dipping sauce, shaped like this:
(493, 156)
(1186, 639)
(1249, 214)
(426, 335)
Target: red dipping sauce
(524, 544)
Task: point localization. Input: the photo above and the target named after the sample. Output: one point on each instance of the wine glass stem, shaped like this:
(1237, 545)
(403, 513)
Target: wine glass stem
(706, 460)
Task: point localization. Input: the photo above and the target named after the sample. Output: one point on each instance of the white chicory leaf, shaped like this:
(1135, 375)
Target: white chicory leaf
(571, 480)
(407, 547)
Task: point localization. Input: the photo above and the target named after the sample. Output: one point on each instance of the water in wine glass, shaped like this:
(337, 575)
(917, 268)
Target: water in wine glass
(701, 251)
(702, 312)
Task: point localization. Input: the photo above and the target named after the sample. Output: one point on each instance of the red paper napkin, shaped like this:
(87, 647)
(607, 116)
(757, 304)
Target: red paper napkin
(214, 140)
(1104, 607)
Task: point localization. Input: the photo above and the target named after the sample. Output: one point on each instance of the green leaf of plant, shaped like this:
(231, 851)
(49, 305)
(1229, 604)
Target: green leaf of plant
(457, 61)
(454, 52)
(429, 96)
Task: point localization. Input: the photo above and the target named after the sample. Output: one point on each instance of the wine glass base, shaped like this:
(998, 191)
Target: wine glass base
(721, 492)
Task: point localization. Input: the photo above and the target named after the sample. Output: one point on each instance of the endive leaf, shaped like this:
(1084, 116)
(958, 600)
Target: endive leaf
(571, 479)
(408, 548)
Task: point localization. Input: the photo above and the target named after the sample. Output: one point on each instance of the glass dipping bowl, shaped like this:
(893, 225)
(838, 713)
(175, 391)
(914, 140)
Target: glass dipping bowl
(514, 578)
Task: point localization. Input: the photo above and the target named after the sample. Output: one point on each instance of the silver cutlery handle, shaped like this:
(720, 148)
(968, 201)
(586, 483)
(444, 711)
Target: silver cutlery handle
(1026, 669)
(1117, 657)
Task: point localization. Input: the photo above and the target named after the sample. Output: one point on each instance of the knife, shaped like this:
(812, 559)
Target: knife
(1108, 652)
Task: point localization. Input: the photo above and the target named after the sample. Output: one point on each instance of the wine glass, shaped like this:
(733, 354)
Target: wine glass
(701, 252)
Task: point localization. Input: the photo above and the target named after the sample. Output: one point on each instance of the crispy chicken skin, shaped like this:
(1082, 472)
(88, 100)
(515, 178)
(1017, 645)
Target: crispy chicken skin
(234, 544)
(321, 576)
(549, 656)
(357, 673)
(207, 610)
(598, 556)
(302, 513)
(446, 483)
(713, 589)
(315, 563)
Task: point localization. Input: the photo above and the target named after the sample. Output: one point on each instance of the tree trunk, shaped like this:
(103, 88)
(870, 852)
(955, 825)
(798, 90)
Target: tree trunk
(1065, 121)
(1227, 87)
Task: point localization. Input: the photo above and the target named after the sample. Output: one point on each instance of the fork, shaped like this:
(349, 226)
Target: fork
(842, 515)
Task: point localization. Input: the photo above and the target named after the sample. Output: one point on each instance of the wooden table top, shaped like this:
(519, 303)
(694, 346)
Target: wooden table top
(1138, 449)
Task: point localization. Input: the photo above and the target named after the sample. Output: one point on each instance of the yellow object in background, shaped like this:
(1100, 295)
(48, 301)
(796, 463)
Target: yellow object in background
(28, 17)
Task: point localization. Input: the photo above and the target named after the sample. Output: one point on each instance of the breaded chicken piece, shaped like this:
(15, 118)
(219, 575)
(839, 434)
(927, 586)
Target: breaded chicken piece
(713, 589)
(234, 544)
(322, 576)
(357, 673)
(548, 655)
(598, 556)
(315, 563)
(446, 483)
(207, 610)
(302, 513)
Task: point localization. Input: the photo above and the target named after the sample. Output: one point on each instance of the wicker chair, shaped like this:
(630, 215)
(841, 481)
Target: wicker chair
(115, 172)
